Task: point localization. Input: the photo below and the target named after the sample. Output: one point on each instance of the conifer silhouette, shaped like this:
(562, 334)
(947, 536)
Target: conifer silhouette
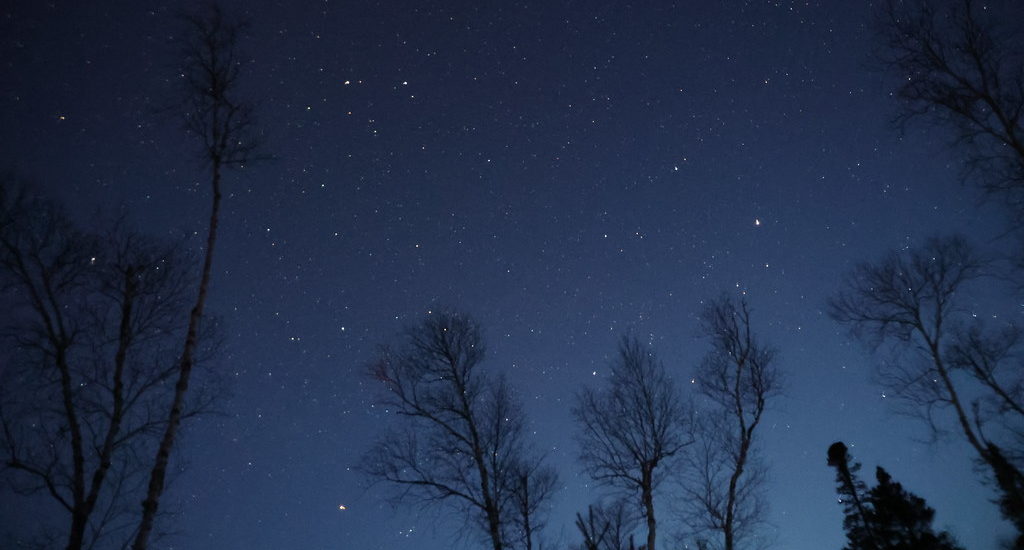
(886, 517)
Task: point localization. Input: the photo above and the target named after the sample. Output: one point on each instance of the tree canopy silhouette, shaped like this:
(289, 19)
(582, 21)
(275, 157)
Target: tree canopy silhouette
(960, 67)
(90, 321)
(462, 439)
(909, 301)
(607, 527)
(724, 482)
(630, 429)
(886, 517)
(226, 129)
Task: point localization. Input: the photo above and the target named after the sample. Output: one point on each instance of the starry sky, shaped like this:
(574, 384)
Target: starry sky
(564, 171)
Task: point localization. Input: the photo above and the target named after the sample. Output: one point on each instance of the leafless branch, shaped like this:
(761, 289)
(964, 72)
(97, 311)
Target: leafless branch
(909, 300)
(462, 441)
(724, 483)
(959, 66)
(633, 427)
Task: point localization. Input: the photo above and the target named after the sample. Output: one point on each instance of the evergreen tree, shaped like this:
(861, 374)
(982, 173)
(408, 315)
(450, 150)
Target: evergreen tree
(859, 532)
(886, 517)
(902, 520)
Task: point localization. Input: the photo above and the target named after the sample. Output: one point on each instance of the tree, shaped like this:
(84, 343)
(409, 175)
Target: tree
(887, 517)
(903, 520)
(988, 356)
(632, 428)
(531, 486)
(860, 531)
(724, 489)
(462, 442)
(910, 300)
(607, 527)
(959, 69)
(89, 319)
(225, 126)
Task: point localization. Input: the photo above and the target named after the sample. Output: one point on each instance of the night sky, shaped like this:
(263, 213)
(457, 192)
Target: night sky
(565, 172)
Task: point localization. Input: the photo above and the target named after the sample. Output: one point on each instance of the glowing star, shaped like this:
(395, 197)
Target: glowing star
(342, 507)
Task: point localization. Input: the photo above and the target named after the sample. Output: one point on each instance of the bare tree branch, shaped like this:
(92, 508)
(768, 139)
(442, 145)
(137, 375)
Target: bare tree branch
(90, 320)
(228, 134)
(463, 440)
(909, 300)
(632, 428)
(723, 490)
(957, 67)
(607, 527)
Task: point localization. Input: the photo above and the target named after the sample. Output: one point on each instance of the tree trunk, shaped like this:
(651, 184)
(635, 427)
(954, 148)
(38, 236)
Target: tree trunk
(734, 479)
(647, 495)
(159, 473)
(81, 518)
(1011, 482)
(524, 482)
(1008, 477)
(490, 507)
(76, 537)
(851, 487)
(78, 519)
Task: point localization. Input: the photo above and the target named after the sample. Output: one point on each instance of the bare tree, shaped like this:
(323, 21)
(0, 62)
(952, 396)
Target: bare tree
(607, 527)
(226, 129)
(463, 441)
(959, 68)
(88, 321)
(631, 429)
(531, 486)
(988, 356)
(909, 300)
(723, 490)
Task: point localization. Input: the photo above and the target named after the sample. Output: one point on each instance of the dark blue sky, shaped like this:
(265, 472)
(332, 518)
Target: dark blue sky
(563, 171)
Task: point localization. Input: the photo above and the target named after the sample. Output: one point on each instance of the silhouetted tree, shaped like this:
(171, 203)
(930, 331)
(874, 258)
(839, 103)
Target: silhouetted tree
(860, 532)
(531, 486)
(88, 324)
(607, 527)
(724, 485)
(989, 356)
(958, 68)
(463, 441)
(224, 124)
(1009, 480)
(887, 517)
(909, 300)
(630, 429)
(902, 519)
